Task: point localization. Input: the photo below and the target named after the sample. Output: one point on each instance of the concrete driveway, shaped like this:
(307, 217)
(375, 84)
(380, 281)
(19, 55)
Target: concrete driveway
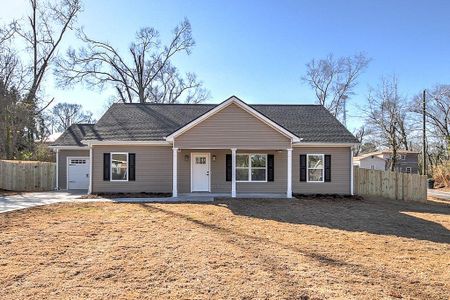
(439, 194)
(26, 200)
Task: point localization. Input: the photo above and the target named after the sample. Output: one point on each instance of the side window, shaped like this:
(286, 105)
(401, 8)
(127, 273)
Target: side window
(119, 166)
(315, 163)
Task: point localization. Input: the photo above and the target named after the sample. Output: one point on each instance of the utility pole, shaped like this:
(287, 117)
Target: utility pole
(424, 136)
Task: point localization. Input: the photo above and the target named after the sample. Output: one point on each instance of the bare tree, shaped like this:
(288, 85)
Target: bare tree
(66, 114)
(46, 26)
(333, 80)
(386, 116)
(146, 75)
(437, 111)
(39, 35)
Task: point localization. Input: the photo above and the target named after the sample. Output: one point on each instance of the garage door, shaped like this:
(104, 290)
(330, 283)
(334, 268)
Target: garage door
(78, 173)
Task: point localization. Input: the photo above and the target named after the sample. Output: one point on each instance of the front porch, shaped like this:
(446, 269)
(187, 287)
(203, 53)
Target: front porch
(236, 173)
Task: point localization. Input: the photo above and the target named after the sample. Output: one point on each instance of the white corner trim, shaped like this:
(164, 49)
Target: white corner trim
(57, 170)
(351, 172)
(90, 171)
(242, 105)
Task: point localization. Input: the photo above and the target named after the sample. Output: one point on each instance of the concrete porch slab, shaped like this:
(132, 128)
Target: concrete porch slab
(238, 195)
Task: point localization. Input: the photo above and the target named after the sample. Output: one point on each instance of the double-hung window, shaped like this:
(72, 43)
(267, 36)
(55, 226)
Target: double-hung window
(119, 166)
(251, 167)
(315, 163)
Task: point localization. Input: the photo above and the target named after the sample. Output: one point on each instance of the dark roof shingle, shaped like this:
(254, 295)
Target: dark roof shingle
(145, 122)
(74, 135)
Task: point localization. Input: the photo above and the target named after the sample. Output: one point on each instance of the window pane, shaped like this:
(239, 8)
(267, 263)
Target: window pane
(119, 165)
(258, 174)
(315, 161)
(315, 175)
(242, 161)
(258, 160)
(242, 174)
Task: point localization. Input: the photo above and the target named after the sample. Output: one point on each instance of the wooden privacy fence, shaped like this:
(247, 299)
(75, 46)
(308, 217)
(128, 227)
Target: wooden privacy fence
(393, 185)
(18, 175)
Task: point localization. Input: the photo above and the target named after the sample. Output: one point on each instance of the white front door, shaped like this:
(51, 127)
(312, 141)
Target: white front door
(200, 172)
(77, 173)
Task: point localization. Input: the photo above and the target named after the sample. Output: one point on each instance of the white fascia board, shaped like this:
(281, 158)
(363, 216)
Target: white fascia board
(128, 143)
(242, 105)
(324, 144)
(69, 147)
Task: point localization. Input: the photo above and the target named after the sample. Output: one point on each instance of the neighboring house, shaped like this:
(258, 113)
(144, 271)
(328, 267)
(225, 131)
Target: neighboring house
(228, 148)
(50, 139)
(407, 161)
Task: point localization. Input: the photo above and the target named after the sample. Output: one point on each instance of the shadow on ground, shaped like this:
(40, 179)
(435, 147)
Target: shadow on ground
(378, 216)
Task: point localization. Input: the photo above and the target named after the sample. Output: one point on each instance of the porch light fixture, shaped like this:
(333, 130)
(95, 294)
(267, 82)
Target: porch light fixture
(186, 157)
(214, 157)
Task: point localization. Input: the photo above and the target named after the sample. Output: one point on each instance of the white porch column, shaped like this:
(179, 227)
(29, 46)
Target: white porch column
(289, 173)
(90, 170)
(233, 172)
(175, 172)
(57, 170)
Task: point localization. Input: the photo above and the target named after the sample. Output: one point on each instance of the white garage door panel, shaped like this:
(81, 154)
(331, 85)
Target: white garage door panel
(78, 173)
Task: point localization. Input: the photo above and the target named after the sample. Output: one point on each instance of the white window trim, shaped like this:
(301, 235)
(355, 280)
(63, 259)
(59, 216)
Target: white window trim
(110, 167)
(249, 168)
(408, 168)
(308, 168)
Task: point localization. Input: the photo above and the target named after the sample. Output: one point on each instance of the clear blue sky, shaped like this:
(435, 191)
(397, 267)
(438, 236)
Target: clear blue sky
(257, 50)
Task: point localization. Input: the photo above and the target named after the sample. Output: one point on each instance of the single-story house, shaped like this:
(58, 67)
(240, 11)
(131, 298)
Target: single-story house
(230, 148)
(407, 161)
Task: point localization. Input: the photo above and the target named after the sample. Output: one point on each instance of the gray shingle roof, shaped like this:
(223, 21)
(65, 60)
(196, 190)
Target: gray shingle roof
(74, 135)
(146, 122)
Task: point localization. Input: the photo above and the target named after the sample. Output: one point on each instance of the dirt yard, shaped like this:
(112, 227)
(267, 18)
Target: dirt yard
(237, 249)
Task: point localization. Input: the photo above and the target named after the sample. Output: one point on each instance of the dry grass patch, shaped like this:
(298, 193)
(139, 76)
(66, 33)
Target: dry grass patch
(241, 249)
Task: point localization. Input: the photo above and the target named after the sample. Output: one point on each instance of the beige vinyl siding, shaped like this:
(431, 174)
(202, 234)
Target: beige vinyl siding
(218, 173)
(232, 127)
(340, 171)
(62, 164)
(153, 170)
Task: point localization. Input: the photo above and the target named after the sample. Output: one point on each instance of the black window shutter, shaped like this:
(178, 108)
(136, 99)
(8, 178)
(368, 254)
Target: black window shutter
(327, 168)
(228, 166)
(106, 166)
(131, 166)
(270, 168)
(302, 167)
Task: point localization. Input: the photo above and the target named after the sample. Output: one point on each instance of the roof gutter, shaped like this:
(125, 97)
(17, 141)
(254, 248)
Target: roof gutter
(323, 144)
(126, 143)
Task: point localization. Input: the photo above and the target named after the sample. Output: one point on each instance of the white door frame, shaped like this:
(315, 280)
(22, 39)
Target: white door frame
(67, 167)
(208, 155)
